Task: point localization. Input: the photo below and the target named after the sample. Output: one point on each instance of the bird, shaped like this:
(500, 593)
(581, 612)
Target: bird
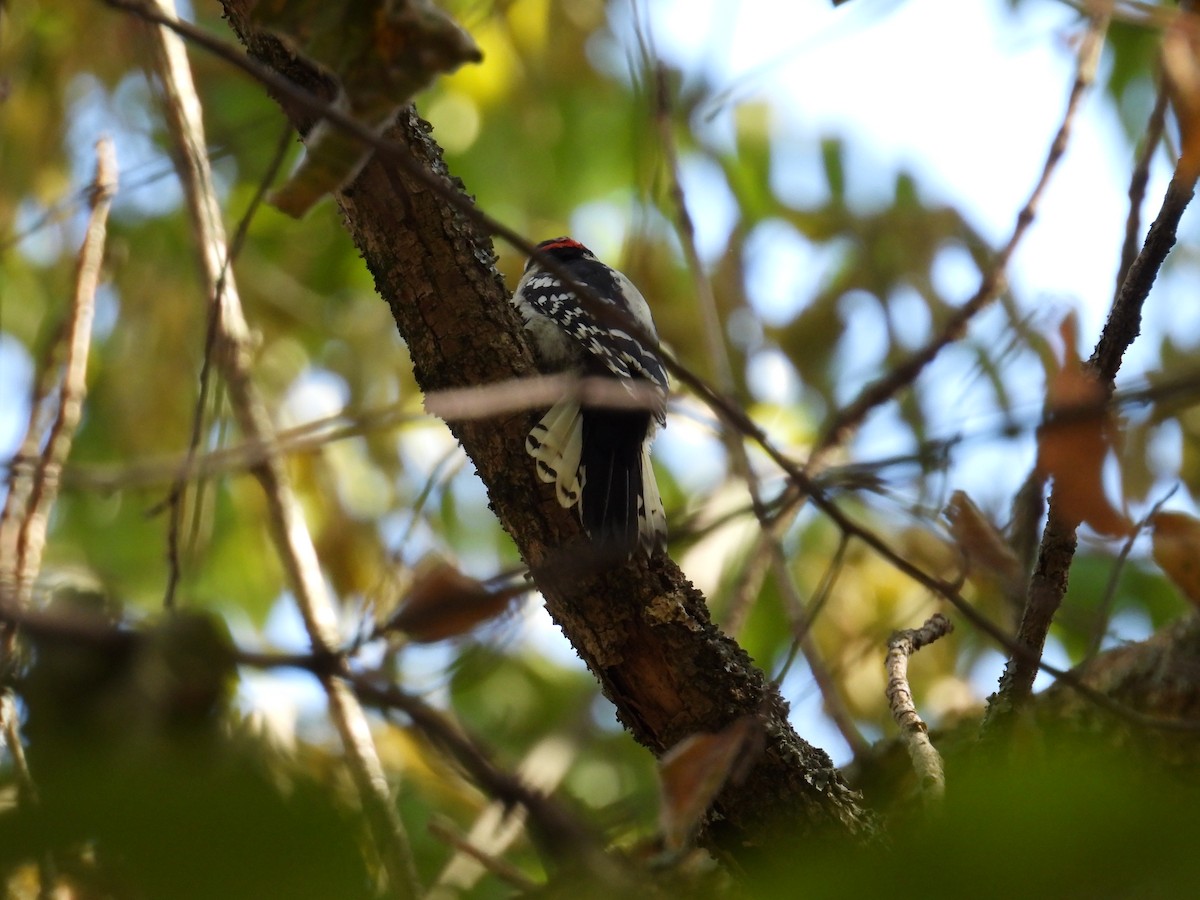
(597, 457)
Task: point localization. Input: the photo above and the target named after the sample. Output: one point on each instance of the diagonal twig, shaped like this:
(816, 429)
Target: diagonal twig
(1137, 184)
(187, 469)
(44, 480)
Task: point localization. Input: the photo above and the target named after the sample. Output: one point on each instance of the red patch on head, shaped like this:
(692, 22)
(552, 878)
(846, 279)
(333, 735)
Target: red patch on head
(562, 243)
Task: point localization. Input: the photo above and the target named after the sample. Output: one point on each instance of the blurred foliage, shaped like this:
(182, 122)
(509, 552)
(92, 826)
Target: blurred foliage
(1079, 823)
(554, 132)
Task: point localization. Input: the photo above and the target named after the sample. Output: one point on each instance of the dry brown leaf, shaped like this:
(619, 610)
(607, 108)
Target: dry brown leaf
(1176, 549)
(988, 554)
(444, 603)
(1075, 441)
(1181, 77)
(693, 772)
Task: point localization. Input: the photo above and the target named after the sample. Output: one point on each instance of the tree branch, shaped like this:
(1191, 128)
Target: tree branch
(913, 731)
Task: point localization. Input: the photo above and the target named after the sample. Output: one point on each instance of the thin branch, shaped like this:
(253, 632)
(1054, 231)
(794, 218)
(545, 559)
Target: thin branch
(702, 290)
(343, 425)
(1137, 184)
(28, 505)
(768, 551)
(831, 697)
(913, 730)
(237, 458)
(1125, 317)
(1108, 599)
(802, 618)
(749, 579)
(47, 472)
(182, 478)
(292, 538)
(994, 281)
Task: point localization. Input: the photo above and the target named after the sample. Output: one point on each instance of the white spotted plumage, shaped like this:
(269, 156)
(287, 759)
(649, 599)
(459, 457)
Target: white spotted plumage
(597, 459)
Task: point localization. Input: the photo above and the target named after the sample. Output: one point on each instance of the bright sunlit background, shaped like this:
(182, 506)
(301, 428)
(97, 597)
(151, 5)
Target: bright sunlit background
(965, 97)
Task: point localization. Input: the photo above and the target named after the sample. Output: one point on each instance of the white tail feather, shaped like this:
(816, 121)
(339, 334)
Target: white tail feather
(556, 443)
(652, 518)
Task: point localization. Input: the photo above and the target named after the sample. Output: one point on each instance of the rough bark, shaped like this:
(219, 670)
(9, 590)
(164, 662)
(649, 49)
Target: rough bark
(643, 629)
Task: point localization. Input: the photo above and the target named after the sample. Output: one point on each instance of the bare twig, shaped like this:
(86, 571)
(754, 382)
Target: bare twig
(802, 617)
(456, 404)
(768, 551)
(31, 497)
(184, 475)
(833, 701)
(1137, 185)
(487, 401)
(706, 301)
(913, 730)
(292, 538)
(236, 458)
(46, 475)
(1105, 607)
(342, 425)
(767, 548)
(1125, 317)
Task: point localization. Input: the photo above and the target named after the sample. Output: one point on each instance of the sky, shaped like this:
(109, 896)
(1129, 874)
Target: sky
(957, 93)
